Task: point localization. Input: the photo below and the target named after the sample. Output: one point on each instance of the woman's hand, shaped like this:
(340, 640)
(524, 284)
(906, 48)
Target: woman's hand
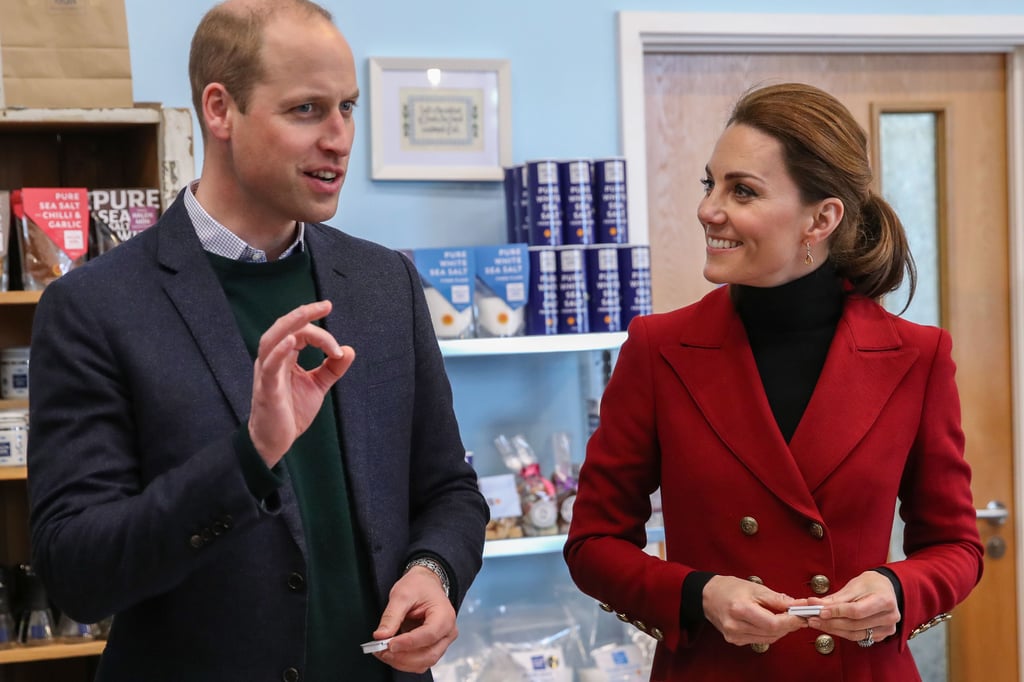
(748, 613)
(866, 602)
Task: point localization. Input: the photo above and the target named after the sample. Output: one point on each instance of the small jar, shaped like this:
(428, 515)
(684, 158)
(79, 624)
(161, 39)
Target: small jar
(14, 373)
(13, 437)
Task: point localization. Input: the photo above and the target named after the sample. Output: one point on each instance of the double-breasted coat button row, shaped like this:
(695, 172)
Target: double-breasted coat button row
(206, 534)
(823, 644)
(656, 633)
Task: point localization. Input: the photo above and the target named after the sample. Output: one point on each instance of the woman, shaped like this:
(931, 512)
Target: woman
(783, 416)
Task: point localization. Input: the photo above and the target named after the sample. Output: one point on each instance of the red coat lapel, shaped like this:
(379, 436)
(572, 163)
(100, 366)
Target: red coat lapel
(714, 362)
(866, 363)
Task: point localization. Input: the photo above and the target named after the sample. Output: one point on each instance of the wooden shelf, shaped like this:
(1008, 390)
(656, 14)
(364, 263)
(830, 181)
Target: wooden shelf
(29, 654)
(20, 297)
(13, 473)
(14, 404)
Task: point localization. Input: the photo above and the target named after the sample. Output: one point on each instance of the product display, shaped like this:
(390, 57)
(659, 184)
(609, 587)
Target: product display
(536, 493)
(13, 437)
(14, 373)
(53, 232)
(119, 214)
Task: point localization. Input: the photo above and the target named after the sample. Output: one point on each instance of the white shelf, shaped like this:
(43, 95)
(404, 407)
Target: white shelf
(546, 544)
(516, 345)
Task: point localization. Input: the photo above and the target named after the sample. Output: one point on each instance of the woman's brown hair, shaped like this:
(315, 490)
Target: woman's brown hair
(825, 151)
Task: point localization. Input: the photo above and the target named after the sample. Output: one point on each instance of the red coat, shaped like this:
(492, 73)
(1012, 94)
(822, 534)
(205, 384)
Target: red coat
(685, 410)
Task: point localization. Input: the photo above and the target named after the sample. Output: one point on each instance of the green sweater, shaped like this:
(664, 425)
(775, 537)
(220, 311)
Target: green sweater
(342, 611)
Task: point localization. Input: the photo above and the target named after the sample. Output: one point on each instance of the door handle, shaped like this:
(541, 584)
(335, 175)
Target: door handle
(995, 512)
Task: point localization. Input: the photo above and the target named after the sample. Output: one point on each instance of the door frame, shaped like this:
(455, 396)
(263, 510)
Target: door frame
(682, 32)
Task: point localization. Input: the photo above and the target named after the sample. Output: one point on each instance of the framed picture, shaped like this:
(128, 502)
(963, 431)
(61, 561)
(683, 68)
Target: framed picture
(440, 119)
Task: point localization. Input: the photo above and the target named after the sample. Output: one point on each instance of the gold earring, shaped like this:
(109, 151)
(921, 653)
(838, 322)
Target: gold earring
(808, 259)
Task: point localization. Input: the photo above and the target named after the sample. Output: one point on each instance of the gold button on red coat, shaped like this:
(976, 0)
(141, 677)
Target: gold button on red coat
(820, 584)
(748, 524)
(759, 647)
(824, 644)
(817, 531)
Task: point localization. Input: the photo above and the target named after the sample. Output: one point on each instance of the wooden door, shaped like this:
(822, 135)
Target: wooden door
(687, 100)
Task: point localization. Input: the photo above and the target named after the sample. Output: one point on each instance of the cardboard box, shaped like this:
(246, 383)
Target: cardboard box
(64, 54)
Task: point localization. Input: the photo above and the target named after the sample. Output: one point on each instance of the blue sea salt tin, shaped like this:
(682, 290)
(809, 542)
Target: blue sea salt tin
(611, 220)
(635, 279)
(542, 306)
(572, 291)
(544, 204)
(604, 304)
(515, 222)
(574, 182)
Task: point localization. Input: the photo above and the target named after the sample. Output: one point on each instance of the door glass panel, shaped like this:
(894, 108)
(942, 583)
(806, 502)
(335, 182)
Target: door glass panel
(908, 144)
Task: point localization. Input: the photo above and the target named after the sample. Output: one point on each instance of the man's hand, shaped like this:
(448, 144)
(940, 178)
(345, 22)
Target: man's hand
(420, 620)
(748, 613)
(285, 397)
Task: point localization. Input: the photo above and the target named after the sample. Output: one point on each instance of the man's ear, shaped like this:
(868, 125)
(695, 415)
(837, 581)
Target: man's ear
(826, 218)
(218, 110)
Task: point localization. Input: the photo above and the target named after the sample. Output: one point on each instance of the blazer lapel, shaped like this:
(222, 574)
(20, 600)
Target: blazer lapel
(193, 288)
(714, 362)
(196, 293)
(865, 364)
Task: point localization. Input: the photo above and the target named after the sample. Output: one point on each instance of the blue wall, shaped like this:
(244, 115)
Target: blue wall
(563, 56)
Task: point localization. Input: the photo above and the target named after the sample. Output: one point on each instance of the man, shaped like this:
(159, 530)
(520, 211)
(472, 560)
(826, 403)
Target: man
(252, 499)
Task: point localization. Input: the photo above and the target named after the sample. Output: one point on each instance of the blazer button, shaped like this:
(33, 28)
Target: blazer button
(296, 583)
(290, 675)
(605, 607)
(825, 645)
(748, 524)
(820, 584)
(621, 616)
(196, 542)
(759, 647)
(817, 531)
(640, 625)
(657, 634)
(755, 579)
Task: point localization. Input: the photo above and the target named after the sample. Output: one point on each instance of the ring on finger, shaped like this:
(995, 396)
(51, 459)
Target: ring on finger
(868, 639)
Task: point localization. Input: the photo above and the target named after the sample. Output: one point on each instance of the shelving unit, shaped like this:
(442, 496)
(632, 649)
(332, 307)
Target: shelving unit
(144, 146)
(518, 345)
(547, 544)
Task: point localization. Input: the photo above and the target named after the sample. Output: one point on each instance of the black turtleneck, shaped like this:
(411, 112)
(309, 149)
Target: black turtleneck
(790, 328)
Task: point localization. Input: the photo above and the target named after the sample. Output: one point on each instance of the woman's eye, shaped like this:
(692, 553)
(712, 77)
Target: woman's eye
(744, 191)
(708, 183)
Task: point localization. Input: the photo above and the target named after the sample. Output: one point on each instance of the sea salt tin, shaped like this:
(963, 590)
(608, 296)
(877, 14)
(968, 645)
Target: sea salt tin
(542, 304)
(611, 223)
(14, 372)
(577, 201)
(544, 203)
(604, 305)
(635, 279)
(572, 291)
(13, 437)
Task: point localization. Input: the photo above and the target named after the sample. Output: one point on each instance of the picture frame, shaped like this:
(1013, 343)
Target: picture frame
(440, 118)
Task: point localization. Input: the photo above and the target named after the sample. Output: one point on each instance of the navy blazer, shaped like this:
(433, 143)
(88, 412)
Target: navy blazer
(139, 507)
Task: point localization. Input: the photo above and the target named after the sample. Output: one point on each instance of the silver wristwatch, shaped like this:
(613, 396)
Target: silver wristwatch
(435, 566)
